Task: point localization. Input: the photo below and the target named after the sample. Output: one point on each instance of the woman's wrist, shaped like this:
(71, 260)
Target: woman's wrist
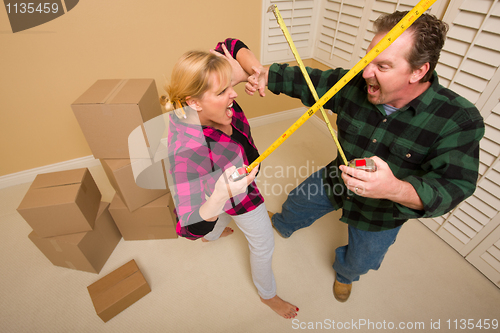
(214, 205)
(218, 198)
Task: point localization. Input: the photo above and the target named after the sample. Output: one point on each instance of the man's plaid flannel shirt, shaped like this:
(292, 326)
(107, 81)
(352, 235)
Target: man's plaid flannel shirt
(432, 143)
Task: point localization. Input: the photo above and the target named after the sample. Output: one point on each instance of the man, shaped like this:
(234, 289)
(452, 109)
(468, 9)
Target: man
(423, 138)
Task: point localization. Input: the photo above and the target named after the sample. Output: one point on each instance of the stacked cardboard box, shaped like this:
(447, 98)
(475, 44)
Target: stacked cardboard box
(110, 112)
(71, 225)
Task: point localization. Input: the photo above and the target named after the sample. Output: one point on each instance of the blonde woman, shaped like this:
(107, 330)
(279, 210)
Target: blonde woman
(209, 136)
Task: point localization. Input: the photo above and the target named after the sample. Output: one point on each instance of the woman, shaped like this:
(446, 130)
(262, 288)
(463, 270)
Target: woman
(209, 136)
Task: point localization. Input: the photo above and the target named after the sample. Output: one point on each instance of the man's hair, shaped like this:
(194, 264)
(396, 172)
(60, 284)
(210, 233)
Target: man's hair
(429, 35)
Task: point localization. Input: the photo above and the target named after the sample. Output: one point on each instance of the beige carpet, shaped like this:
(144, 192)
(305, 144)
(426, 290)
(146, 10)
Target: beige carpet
(206, 287)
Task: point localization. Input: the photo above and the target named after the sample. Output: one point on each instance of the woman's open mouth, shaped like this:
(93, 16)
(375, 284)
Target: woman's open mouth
(229, 111)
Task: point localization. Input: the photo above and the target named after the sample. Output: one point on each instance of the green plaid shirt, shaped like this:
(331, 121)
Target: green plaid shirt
(432, 143)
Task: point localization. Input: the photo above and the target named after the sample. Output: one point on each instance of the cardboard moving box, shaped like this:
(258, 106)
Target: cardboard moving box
(118, 290)
(60, 203)
(121, 177)
(155, 220)
(110, 110)
(85, 251)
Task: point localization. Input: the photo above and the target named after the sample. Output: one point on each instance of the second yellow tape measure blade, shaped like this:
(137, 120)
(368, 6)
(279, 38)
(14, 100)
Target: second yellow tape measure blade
(296, 54)
(388, 39)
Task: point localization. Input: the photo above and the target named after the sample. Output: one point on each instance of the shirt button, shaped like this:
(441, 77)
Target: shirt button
(348, 198)
(374, 140)
(384, 121)
(408, 155)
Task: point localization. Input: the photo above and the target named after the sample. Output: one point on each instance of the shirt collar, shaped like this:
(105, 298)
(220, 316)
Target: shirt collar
(184, 129)
(194, 131)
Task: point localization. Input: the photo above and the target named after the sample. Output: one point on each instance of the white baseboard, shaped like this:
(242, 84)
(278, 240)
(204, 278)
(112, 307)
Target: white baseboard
(28, 176)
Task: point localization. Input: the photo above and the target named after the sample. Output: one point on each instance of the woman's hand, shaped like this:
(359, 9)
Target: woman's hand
(226, 188)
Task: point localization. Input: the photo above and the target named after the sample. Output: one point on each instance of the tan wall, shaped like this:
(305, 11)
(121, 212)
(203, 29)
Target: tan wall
(44, 69)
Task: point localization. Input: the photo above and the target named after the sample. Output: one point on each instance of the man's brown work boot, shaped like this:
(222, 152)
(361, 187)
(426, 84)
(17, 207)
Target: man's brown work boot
(341, 291)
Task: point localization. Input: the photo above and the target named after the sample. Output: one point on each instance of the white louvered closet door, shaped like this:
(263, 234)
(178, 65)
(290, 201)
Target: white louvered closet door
(471, 55)
(379, 7)
(486, 256)
(469, 65)
(340, 24)
(298, 16)
(483, 250)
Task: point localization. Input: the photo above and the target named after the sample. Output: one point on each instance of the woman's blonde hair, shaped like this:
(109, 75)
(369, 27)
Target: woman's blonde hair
(191, 77)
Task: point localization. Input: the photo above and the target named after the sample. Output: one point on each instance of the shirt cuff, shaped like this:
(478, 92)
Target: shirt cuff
(198, 226)
(428, 196)
(275, 78)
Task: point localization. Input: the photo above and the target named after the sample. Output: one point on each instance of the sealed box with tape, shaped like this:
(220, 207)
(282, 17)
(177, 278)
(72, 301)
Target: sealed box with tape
(84, 251)
(61, 203)
(110, 110)
(118, 290)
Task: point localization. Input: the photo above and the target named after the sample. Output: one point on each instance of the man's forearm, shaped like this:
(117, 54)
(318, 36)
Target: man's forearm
(407, 196)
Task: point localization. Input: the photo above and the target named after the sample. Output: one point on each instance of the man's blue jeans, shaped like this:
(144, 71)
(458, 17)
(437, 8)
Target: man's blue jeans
(307, 203)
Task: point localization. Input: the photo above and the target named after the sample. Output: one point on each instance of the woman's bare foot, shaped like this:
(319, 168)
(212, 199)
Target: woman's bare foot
(227, 231)
(284, 309)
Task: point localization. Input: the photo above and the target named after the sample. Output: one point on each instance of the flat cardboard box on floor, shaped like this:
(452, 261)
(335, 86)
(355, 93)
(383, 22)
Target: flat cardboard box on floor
(85, 251)
(110, 110)
(118, 290)
(121, 177)
(60, 203)
(155, 220)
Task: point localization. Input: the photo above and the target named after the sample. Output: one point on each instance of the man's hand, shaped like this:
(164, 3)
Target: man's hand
(257, 81)
(381, 184)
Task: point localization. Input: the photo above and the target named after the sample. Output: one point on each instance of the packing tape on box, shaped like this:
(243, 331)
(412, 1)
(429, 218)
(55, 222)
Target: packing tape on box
(114, 91)
(70, 265)
(83, 187)
(55, 245)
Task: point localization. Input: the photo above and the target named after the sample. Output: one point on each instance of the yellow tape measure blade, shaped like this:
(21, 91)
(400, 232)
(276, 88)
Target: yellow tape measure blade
(392, 35)
(296, 54)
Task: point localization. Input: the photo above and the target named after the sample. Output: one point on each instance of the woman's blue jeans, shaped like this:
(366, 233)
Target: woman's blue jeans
(307, 203)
